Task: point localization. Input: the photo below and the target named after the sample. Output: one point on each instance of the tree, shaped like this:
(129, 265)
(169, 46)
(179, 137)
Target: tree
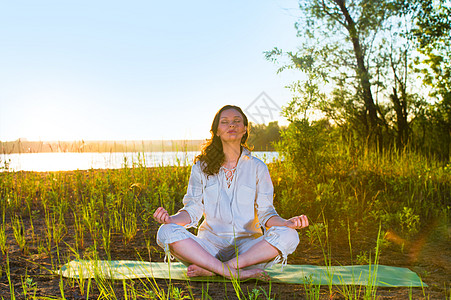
(263, 137)
(343, 41)
(432, 33)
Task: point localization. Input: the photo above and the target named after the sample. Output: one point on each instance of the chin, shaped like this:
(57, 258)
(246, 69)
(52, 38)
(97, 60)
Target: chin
(232, 140)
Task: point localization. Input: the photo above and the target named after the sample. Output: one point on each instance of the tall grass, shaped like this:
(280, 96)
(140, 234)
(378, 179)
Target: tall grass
(400, 189)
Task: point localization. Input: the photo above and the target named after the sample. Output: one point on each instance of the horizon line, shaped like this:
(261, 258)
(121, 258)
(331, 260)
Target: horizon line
(89, 140)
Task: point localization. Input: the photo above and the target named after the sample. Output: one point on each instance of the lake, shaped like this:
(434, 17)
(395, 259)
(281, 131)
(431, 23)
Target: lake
(68, 161)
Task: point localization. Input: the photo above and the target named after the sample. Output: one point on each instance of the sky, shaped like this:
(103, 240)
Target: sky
(139, 70)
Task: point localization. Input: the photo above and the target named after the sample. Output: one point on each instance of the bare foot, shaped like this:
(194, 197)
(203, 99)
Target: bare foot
(194, 271)
(255, 274)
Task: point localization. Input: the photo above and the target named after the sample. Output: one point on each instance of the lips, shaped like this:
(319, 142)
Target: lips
(231, 131)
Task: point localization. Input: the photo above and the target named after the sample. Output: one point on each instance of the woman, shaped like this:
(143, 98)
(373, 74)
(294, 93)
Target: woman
(233, 192)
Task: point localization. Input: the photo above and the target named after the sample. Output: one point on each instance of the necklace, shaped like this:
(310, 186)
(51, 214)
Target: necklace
(229, 175)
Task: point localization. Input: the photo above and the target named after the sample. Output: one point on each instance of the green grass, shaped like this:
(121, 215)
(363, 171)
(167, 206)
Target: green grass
(401, 191)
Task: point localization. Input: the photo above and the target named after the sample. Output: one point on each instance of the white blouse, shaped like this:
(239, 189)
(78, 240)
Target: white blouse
(238, 211)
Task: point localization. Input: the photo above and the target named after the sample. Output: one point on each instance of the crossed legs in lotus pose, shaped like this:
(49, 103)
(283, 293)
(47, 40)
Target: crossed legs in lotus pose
(205, 264)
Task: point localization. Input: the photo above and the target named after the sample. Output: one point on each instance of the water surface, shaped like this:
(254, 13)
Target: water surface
(68, 161)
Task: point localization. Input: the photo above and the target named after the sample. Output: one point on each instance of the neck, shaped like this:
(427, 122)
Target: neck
(232, 153)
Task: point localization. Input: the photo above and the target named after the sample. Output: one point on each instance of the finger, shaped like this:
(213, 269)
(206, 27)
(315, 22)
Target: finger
(163, 211)
(159, 215)
(296, 223)
(165, 218)
(301, 220)
(157, 212)
(306, 221)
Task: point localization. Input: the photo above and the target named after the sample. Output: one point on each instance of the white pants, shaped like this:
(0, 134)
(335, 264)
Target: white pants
(225, 248)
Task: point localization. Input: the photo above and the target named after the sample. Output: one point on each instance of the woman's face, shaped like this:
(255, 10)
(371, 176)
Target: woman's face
(231, 127)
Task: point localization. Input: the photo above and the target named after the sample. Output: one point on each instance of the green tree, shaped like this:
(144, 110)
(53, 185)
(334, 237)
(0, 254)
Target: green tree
(432, 32)
(354, 48)
(263, 137)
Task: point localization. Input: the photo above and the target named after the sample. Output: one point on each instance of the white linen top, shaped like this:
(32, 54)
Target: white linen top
(249, 207)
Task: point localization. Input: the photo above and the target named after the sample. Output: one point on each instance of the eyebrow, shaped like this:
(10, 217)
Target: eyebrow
(237, 116)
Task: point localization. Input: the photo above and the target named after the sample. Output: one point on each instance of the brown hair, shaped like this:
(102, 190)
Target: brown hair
(212, 154)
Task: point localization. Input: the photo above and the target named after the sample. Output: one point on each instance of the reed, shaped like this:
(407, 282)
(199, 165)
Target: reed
(3, 238)
(10, 283)
(19, 233)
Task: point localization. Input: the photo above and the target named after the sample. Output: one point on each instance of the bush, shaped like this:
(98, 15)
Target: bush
(328, 179)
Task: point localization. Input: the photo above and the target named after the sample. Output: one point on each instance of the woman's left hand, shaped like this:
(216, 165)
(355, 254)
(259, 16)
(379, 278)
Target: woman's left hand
(297, 222)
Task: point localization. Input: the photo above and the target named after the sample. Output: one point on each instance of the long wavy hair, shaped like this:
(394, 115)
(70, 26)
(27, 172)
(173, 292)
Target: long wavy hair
(212, 155)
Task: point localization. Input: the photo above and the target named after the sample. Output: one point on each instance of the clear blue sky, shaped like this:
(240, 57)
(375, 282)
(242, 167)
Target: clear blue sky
(136, 70)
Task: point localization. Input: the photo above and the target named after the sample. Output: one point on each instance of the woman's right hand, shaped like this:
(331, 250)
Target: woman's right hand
(161, 216)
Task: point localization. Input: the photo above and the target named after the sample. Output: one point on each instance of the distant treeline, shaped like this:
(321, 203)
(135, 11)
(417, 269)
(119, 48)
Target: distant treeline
(261, 139)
